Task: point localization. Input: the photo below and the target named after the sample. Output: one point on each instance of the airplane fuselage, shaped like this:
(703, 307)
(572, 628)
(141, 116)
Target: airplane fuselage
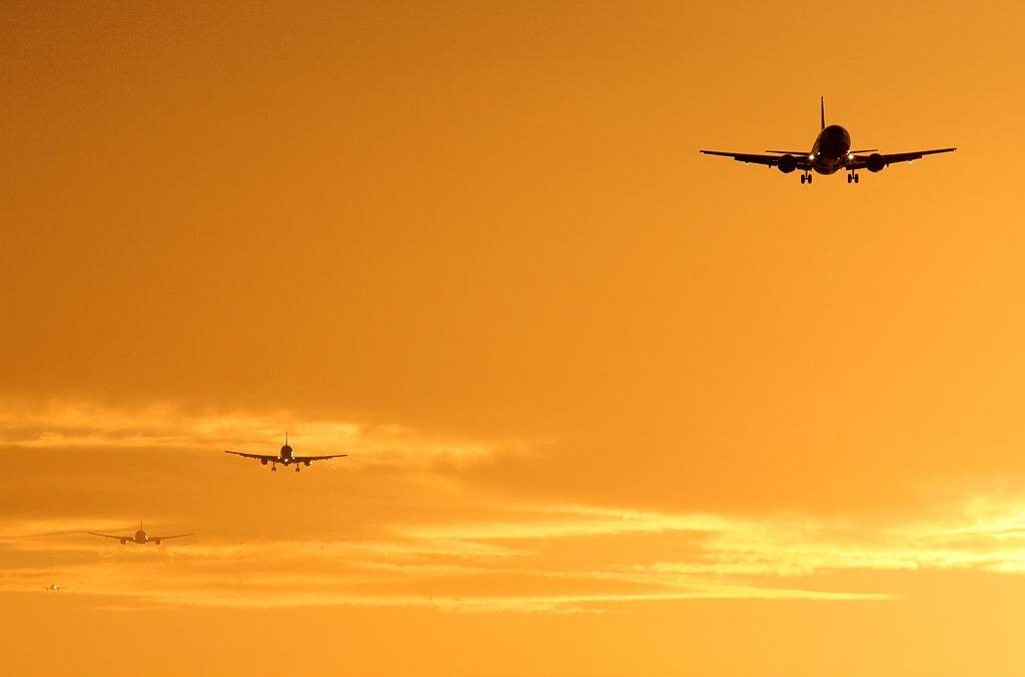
(829, 154)
(284, 458)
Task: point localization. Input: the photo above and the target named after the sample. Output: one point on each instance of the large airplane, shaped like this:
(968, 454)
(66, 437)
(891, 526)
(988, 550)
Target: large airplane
(285, 457)
(140, 537)
(830, 153)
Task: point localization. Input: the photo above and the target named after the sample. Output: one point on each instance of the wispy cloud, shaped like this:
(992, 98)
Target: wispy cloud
(154, 579)
(785, 546)
(573, 521)
(471, 568)
(426, 536)
(67, 424)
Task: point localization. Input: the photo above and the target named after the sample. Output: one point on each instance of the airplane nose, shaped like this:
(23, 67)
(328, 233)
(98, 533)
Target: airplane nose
(834, 142)
(832, 148)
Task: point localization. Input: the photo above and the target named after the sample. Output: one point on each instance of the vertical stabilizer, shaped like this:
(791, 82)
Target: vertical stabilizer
(822, 111)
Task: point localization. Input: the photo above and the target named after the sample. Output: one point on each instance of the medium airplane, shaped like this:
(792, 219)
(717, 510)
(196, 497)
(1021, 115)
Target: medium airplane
(285, 457)
(53, 587)
(140, 537)
(830, 153)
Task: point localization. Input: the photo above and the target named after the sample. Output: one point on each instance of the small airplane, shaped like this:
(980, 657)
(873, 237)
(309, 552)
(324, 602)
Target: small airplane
(140, 537)
(285, 457)
(53, 587)
(830, 153)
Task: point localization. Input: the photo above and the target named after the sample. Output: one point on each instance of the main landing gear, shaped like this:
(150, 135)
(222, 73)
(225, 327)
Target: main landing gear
(806, 177)
(274, 468)
(852, 177)
(297, 468)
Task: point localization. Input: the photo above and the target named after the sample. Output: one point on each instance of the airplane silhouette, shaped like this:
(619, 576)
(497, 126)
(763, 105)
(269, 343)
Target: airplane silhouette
(53, 587)
(140, 537)
(285, 457)
(830, 153)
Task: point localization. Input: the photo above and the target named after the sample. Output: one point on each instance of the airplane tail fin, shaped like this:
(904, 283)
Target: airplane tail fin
(822, 112)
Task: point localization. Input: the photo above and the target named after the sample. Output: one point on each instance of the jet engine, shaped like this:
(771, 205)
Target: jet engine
(123, 541)
(787, 163)
(263, 461)
(308, 463)
(156, 541)
(875, 163)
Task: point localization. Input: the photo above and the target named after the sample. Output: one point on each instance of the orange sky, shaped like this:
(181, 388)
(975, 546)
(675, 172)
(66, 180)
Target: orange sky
(612, 408)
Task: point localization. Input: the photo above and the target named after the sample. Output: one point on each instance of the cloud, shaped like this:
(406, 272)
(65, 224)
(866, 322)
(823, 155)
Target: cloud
(403, 529)
(65, 424)
(530, 559)
(155, 580)
(570, 521)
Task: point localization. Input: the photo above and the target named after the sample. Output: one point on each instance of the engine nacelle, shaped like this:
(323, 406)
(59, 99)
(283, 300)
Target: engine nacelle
(123, 541)
(156, 541)
(787, 163)
(308, 463)
(263, 461)
(875, 162)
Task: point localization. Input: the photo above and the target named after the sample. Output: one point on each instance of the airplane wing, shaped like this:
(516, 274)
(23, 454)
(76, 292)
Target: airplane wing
(96, 533)
(303, 459)
(164, 538)
(754, 158)
(861, 161)
(259, 457)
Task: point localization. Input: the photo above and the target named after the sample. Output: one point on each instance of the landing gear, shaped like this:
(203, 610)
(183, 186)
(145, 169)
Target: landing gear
(852, 177)
(274, 468)
(806, 177)
(297, 468)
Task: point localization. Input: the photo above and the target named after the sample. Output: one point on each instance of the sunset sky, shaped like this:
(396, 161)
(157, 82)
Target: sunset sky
(612, 408)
